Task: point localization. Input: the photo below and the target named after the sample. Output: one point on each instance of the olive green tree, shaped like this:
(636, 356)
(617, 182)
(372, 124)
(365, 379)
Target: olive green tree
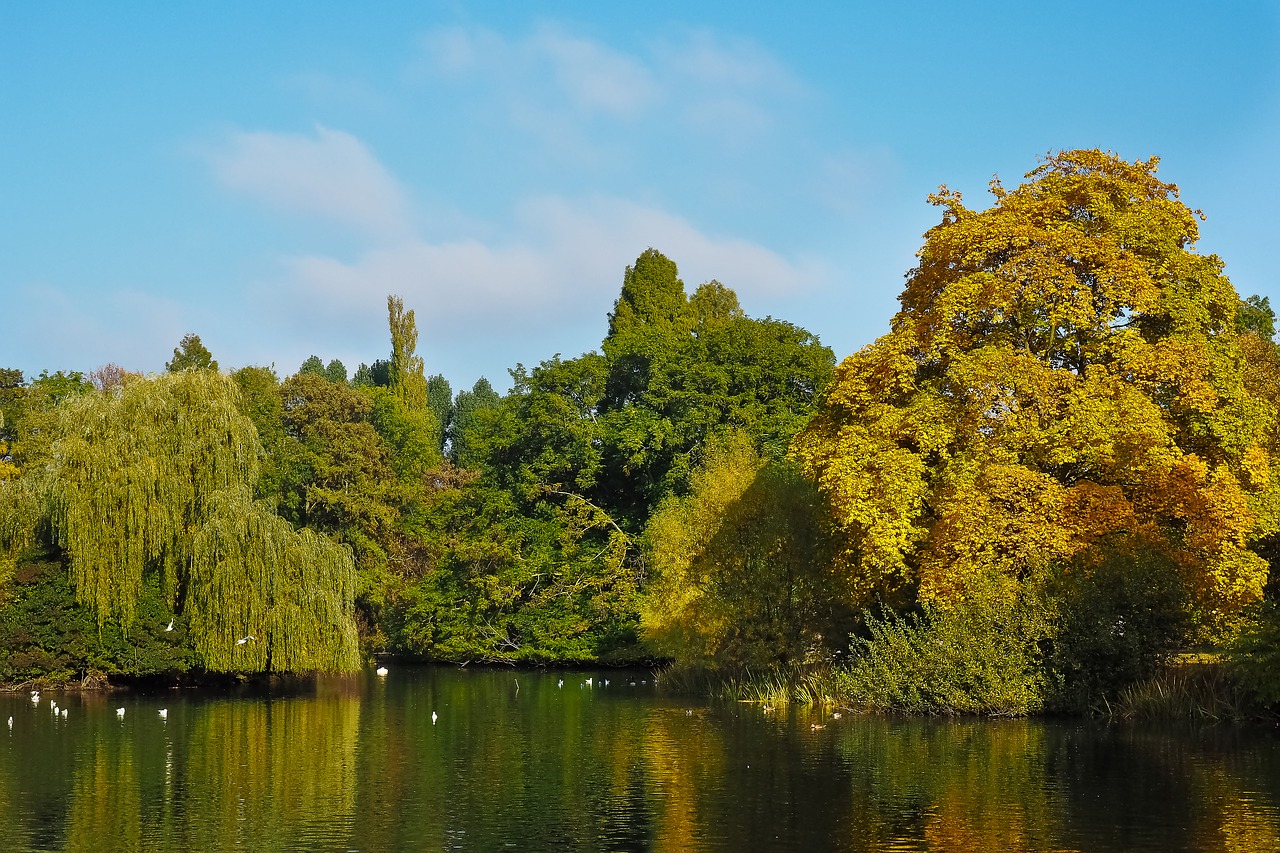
(155, 479)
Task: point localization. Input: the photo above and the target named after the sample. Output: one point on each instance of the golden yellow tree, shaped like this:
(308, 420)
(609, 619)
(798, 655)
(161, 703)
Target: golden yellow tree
(1065, 370)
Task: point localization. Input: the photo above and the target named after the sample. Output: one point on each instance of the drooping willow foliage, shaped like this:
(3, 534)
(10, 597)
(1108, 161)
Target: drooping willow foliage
(132, 474)
(262, 596)
(156, 476)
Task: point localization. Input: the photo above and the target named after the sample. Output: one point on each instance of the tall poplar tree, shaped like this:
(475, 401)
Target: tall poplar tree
(407, 379)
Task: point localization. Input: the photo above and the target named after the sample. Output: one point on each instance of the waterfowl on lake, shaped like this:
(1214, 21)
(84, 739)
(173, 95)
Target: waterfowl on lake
(120, 713)
(382, 671)
(164, 713)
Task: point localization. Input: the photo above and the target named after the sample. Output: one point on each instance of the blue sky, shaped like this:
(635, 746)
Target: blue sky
(265, 174)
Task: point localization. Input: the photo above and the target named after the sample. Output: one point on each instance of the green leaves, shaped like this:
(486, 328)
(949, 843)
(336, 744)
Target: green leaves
(191, 354)
(152, 485)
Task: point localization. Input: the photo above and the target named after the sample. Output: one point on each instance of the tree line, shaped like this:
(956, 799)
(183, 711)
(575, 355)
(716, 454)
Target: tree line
(1055, 469)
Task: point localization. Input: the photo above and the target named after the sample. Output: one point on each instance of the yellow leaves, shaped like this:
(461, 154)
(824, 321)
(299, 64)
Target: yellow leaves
(1063, 370)
(1000, 522)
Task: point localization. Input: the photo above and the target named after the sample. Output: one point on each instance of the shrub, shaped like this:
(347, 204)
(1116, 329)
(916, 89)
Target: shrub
(46, 635)
(1118, 621)
(1253, 656)
(977, 656)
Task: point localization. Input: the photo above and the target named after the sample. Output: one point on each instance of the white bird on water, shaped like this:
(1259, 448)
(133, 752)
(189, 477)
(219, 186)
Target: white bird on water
(35, 697)
(382, 671)
(64, 713)
(243, 640)
(164, 713)
(11, 724)
(433, 718)
(560, 683)
(120, 713)
(588, 682)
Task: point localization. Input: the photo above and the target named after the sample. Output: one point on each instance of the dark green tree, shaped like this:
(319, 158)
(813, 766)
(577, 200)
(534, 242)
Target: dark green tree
(191, 354)
(649, 317)
(1255, 315)
(377, 375)
(546, 433)
(312, 365)
(336, 371)
(467, 409)
(440, 402)
(679, 371)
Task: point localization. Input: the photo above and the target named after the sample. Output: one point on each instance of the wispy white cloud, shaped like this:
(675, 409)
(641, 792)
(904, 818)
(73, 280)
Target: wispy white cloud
(330, 175)
(563, 254)
(702, 82)
(595, 77)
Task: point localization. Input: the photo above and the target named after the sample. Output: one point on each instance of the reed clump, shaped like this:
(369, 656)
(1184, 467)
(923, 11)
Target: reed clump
(1197, 689)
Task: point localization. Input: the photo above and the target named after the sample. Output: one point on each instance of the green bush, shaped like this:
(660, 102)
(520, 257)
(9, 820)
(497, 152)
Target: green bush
(978, 656)
(1253, 657)
(46, 635)
(1118, 621)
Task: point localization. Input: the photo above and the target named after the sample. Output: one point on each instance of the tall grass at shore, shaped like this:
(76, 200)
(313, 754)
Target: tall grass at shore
(810, 685)
(1199, 691)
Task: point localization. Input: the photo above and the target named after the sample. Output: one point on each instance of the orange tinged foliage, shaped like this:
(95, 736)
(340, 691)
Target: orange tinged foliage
(1064, 369)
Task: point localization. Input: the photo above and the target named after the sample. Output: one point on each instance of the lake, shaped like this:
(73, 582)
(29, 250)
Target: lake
(480, 759)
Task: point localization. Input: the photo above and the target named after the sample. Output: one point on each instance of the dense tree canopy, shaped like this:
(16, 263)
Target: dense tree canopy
(154, 479)
(1065, 372)
(1057, 464)
(739, 575)
(191, 354)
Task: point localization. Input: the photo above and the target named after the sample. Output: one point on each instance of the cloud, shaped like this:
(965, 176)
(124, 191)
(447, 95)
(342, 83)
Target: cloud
(563, 254)
(701, 82)
(594, 77)
(330, 175)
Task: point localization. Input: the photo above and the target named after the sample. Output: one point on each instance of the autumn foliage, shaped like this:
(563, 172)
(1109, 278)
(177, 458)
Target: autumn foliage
(1064, 377)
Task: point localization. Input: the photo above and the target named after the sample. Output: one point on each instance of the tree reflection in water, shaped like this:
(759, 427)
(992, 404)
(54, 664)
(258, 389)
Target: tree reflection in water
(357, 764)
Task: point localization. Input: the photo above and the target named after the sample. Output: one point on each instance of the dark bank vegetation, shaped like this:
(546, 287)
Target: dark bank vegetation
(1053, 476)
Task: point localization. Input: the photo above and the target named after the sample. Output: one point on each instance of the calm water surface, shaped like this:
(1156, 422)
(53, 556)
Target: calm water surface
(516, 761)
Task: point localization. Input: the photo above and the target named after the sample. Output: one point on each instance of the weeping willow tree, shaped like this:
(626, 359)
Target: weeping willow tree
(156, 476)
